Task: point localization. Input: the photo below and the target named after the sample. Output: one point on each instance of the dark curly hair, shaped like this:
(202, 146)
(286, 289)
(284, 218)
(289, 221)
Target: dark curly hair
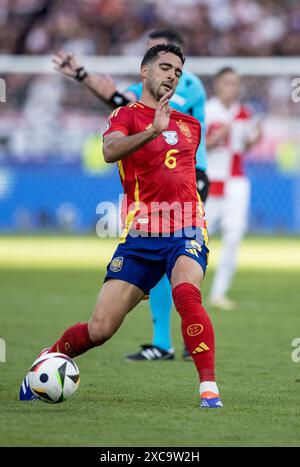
(154, 52)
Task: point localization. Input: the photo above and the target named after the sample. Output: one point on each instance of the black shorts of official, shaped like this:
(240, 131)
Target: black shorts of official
(202, 184)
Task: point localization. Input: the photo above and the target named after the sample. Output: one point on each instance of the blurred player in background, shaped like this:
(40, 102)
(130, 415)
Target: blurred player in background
(189, 98)
(154, 176)
(231, 130)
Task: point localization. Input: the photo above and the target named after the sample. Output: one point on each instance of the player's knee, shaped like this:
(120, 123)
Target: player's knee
(187, 271)
(186, 279)
(100, 330)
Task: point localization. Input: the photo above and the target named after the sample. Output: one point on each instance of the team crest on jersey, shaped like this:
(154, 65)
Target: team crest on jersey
(171, 137)
(116, 264)
(184, 129)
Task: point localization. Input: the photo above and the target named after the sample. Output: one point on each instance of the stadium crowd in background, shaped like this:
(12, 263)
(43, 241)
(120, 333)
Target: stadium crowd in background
(119, 27)
(115, 27)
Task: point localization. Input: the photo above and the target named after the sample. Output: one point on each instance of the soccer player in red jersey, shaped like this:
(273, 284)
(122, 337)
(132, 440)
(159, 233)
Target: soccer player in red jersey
(164, 227)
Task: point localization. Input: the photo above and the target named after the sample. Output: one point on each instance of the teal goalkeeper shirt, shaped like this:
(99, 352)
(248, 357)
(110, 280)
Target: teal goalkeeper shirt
(189, 98)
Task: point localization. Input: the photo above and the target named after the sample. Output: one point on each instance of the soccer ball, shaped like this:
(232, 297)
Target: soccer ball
(54, 377)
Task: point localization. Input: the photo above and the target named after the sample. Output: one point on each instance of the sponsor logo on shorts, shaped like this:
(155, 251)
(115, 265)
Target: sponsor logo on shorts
(195, 247)
(194, 329)
(200, 348)
(116, 264)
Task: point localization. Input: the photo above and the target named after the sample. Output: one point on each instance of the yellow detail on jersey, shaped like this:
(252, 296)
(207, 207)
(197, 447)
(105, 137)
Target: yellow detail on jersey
(135, 105)
(121, 170)
(115, 112)
(131, 215)
(201, 348)
(170, 160)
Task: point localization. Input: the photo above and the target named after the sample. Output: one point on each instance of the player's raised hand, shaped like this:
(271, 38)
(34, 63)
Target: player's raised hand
(67, 64)
(162, 114)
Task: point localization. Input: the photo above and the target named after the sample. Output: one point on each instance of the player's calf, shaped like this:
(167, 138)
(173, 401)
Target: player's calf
(198, 335)
(74, 341)
(102, 329)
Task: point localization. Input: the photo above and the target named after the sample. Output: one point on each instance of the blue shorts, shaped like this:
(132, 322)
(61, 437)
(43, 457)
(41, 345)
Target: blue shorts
(142, 261)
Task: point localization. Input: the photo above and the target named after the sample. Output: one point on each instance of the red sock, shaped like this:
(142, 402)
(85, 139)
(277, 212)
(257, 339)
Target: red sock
(196, 328)
(74, 341)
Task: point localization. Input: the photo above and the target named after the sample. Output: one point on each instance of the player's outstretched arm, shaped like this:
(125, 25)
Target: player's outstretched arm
(103, 86)
(116, 146)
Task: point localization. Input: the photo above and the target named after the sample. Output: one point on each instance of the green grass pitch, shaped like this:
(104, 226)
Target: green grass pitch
(47, 284)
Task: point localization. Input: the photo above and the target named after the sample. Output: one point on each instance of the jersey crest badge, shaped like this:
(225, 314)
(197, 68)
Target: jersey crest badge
(116, 264)
(171, 137)
(184, 129)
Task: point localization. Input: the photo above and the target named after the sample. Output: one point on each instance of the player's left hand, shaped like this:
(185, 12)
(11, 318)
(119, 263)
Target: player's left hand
(162, 114)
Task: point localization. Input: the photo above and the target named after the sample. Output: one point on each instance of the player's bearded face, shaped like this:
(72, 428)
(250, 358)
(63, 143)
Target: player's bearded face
(163, 75)
(155, 87)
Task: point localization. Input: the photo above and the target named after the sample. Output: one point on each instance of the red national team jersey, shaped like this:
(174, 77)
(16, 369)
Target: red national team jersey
(159, 179)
